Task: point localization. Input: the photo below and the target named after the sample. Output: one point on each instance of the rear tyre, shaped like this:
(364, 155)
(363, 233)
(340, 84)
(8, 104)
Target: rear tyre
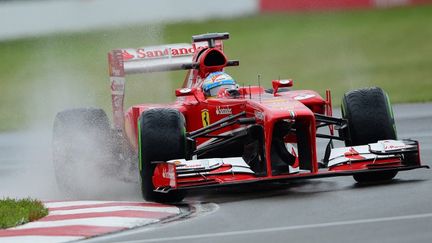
(81, 139)
(161, 138)
(370, 118)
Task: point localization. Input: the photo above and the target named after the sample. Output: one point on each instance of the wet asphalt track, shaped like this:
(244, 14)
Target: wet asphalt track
(322, 210)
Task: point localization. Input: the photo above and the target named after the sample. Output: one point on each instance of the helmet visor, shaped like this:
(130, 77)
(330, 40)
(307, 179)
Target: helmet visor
(215, 91)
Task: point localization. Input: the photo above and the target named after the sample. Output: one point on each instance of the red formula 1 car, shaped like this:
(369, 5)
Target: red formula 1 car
(238, 134)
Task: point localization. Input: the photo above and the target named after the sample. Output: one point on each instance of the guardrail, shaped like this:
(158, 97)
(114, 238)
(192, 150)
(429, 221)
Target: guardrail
(26, 18)
(311, 5)
(33, 18)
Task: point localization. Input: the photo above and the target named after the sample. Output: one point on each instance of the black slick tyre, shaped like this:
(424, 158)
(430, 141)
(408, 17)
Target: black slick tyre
(162, 137)
(370, 118)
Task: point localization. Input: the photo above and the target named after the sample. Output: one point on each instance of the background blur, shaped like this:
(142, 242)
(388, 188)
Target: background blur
(53, 54)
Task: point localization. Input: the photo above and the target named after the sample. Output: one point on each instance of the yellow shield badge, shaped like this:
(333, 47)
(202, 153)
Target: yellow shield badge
(205, 117)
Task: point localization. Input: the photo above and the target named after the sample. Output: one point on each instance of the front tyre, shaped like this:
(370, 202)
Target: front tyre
(162, 137)
(370, 118)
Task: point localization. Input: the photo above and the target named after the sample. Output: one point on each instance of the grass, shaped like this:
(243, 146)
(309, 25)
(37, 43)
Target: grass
(15, 212)
(342, 51)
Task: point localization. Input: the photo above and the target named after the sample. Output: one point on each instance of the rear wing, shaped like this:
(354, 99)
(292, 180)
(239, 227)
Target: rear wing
(154, 58)
(127, 61)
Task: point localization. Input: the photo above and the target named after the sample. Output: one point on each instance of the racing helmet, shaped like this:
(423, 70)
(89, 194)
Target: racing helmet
(217, 81)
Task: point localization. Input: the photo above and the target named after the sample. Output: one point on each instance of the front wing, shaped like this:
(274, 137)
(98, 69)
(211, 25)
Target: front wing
(386, 155)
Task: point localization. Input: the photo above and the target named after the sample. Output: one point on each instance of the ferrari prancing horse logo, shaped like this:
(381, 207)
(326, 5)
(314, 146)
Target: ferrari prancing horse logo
(205, 117)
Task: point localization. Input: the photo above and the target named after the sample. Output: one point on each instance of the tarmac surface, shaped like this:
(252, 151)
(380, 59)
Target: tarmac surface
(321, 210)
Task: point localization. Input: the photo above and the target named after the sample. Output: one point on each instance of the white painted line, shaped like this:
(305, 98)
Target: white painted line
(172, 210)
(100, 222)
(286, 228)
(39, 239)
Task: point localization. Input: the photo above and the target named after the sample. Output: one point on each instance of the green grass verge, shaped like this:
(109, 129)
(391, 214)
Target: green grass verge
(15, 212)
(389, 48)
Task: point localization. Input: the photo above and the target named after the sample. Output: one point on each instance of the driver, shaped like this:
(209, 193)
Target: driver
(217, 81)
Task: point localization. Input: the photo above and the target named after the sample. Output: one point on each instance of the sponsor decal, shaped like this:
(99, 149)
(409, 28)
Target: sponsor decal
(117, 101)
(116, 63)
(303, 96)
(116, 72)
(193, 166)
(259, 115)
(117, 85)
(353, 154)
(169, 173)
(199, 164)
(393, 145)
(185, 90)
(278, 103)
(274, 101)
(127, 55)
(148, 53)
(205, 117)
(177, 162)
(165, 51)
(284, 81)
(223, 111)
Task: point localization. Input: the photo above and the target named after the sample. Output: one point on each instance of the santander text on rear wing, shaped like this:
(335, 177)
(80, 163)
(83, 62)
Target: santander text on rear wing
(154, 58)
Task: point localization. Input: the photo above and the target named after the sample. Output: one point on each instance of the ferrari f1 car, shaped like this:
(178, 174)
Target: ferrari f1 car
(242, 134)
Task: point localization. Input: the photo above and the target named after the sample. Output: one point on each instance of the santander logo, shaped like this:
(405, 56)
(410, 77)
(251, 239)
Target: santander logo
(127, 55)
(223, 111)
(143, 53)
(174, 50)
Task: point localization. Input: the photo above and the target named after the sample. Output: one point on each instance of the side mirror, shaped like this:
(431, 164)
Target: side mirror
(281, 83)
(184, 92)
